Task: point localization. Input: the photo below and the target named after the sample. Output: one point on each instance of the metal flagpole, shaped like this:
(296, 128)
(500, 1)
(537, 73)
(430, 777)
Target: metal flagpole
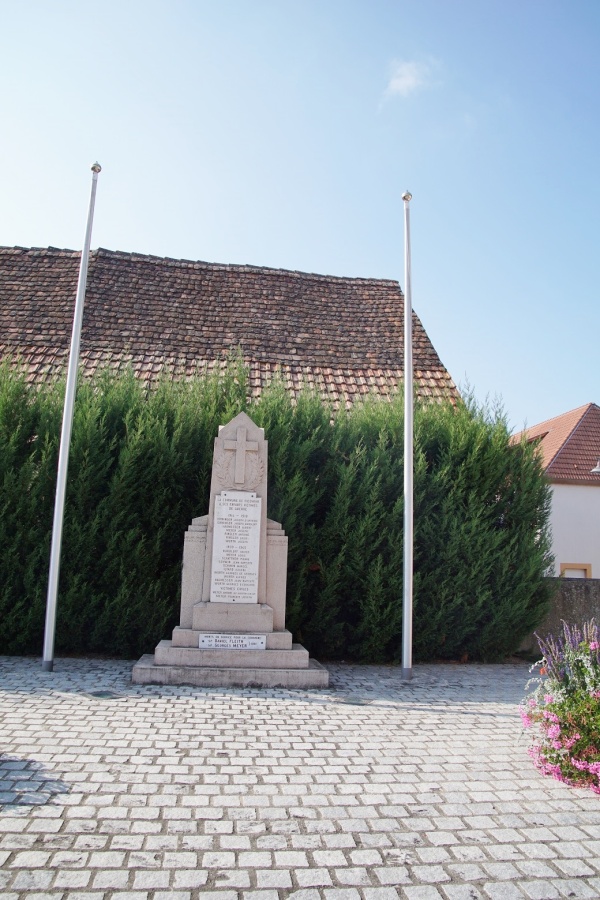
(65, 438)
(407, 600)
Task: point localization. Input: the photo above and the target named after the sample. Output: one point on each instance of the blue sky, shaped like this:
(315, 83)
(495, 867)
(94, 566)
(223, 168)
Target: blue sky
(283, 133)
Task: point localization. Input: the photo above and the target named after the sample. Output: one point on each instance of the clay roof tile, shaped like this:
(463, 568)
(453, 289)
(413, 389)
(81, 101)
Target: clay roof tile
(569, 445)
(151, 312)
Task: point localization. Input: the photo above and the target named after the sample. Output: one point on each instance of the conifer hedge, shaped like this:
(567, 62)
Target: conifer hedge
(140, 469)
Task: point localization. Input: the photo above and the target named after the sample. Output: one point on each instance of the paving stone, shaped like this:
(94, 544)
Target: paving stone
(462, 892)
(503, 891)
(393, 875)
(536, 868)
(540, 890)
(275, 878)
(575, 867)
(329, 858)
(353, 875)
(186, 878)
(433, 854)
(29, 859)
(254, 860)
(151, 880)
(468, 853)
(577, 889)
(31, 879)
(421, 893)
(466, 872)
(502, 871)
(111, 878)
(106, 860)
(290, 858)
(538, 851)
(73, 878)
(234, 878)
(419, 791)
(430, 874)
(570, 849)
(313, 877)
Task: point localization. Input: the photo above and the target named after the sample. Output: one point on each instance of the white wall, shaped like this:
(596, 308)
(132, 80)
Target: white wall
(575, 522)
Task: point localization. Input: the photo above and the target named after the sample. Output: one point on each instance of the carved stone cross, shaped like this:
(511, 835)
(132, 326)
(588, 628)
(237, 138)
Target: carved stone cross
(241, 446)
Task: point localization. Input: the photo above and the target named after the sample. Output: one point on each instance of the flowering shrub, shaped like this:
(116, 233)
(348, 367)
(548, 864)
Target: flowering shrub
(564, 709)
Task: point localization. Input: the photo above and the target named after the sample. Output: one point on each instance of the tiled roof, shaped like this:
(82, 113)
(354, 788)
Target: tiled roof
(569, 444)
(344, 336)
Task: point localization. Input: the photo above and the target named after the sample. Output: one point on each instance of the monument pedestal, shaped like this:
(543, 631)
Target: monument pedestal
(231, 647)
(232, 625)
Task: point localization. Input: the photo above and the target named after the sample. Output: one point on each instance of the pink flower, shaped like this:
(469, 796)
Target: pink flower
(594, 645)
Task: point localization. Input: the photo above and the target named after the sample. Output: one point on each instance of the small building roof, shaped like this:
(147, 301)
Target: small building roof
(569, 444)
(342, 336)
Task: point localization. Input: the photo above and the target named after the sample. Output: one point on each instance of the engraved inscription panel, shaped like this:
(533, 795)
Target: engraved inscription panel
(236, 544)
(232, 641)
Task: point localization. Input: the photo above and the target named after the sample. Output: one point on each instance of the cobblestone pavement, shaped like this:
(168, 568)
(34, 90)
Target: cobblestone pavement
(374, 789)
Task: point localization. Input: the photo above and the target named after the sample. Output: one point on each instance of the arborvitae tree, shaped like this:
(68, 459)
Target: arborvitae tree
(139, 470)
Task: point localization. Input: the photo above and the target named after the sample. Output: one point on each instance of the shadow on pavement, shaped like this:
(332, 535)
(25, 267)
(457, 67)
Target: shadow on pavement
(25, 782)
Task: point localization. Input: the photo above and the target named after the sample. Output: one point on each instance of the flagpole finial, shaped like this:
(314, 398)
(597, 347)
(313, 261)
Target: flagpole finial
(96, 167)
(406, 196)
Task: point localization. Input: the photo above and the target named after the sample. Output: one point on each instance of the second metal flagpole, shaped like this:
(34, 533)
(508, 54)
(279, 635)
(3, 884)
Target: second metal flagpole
(407, 599)
(65, 438)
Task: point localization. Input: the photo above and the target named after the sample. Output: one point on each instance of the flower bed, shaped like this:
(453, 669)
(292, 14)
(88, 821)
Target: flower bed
(564, 708)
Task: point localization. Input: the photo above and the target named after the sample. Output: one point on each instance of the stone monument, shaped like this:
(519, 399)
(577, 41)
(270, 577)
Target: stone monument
(232, 623)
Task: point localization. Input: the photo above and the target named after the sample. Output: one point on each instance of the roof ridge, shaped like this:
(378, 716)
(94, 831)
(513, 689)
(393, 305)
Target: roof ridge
(568, 412)
(242, 267)
(204, 264)
(53, 250)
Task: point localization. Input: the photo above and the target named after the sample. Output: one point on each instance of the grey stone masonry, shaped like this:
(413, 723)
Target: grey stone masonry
(370, 789)
(233, 586)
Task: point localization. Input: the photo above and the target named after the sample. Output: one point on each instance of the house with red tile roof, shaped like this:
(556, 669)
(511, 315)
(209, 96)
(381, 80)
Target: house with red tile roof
(340, 336)
(570, 450)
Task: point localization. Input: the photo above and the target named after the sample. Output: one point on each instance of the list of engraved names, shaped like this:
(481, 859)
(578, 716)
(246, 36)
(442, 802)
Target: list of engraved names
(236, 544)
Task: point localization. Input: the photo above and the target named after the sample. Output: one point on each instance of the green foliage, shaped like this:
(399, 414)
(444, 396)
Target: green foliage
(139, 471)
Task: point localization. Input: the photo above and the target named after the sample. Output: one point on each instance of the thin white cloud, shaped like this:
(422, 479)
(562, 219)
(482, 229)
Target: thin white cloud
(409, 76)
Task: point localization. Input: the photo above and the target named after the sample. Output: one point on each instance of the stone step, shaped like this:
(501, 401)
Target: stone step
(188, 637)
(248, 618)
(168, 655)
(146, 671)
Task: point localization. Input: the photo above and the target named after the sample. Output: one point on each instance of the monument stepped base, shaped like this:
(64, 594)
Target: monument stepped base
(146, 671)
